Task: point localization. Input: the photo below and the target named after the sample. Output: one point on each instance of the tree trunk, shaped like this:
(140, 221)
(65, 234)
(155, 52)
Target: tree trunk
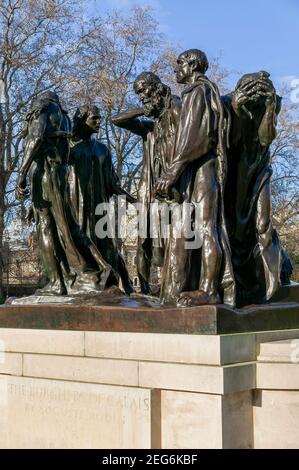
(2, 210)
(2, 200)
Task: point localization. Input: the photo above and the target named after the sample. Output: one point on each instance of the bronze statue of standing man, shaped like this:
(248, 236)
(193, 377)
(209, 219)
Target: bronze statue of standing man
(256, 252)
(156, 122)
(200, 141)
(93, 181)
(72, 262)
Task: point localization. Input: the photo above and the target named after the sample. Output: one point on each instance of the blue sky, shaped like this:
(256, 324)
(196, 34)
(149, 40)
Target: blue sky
(249, 36)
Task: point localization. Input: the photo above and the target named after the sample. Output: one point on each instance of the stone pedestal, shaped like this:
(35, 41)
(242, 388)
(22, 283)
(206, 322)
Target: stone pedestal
(101, 389)
(276, 400)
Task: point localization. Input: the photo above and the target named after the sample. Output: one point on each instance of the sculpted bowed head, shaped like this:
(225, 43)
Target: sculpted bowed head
(152, 93)
(252, 91)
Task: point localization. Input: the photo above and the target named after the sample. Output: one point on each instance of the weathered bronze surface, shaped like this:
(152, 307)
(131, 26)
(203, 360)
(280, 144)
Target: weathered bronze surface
(203, 150)
(158, 132)
(123, 314)
(219, 161)
(256, 252)
(201, 145)
(72, 262)
(92, 181)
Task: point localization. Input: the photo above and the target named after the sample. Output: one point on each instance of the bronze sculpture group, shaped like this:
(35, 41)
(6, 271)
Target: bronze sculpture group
(207, 150)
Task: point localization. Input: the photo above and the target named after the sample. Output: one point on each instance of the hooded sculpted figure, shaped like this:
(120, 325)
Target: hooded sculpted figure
(156, 122)
(256, 252)
(72, 262)
(92, 181)
(201, 143)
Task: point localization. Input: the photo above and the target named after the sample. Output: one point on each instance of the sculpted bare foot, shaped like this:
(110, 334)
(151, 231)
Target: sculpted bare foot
(52, 288)
(197, 297)
(90, 281)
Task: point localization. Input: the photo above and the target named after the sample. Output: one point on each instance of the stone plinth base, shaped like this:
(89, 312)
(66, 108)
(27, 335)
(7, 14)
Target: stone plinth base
(276, 400)
(86, 389)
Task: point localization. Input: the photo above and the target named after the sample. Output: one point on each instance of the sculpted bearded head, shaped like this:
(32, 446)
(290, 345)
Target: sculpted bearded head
(152, 93)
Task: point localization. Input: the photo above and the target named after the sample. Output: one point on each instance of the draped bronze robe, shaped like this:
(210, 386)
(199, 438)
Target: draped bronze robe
(158, 146)
(201, 149)
(256, 252)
